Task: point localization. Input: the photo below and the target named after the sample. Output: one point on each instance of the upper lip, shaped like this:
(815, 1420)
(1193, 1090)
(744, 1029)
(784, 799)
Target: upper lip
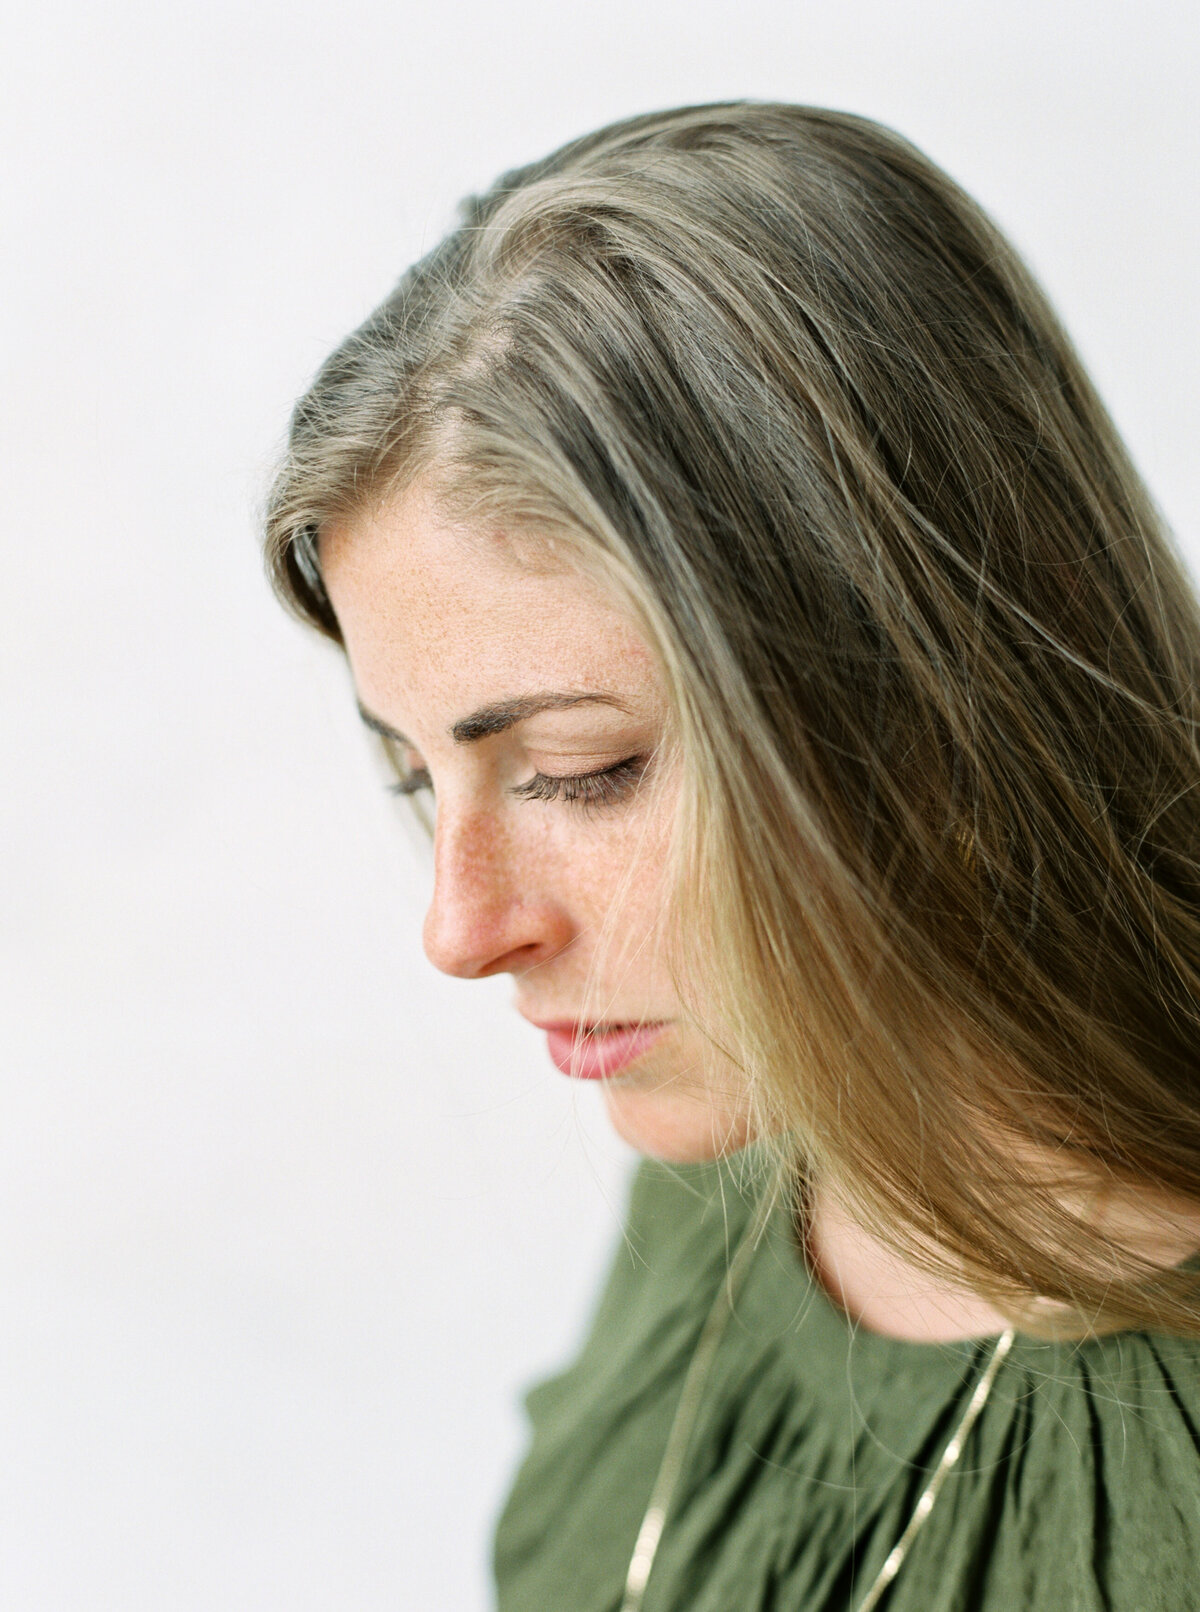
(578, 1026)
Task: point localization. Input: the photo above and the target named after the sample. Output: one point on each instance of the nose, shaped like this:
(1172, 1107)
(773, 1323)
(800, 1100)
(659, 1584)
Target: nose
(491, 912)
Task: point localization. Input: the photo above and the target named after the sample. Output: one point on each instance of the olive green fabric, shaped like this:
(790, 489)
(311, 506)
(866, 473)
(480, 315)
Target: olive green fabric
(1078, 1489)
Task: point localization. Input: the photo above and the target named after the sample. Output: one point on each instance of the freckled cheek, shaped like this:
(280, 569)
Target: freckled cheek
(588, 888)
(608, 891)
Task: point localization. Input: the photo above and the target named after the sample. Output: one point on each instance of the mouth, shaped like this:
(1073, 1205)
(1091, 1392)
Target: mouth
(599, 1051)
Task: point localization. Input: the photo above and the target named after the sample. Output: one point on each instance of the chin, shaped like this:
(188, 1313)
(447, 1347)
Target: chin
(677, 1127)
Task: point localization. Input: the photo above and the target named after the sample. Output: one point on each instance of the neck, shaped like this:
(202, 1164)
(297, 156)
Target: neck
(883, 1292)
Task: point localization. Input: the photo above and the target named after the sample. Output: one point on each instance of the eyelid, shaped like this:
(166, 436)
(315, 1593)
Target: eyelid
(412, 782)
(408, 780)
(604, 786)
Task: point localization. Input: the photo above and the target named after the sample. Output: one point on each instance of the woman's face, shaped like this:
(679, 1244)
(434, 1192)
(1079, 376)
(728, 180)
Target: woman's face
(527, 702)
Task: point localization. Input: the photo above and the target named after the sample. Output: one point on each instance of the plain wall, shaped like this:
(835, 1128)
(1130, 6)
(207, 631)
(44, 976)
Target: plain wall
(288, 1220)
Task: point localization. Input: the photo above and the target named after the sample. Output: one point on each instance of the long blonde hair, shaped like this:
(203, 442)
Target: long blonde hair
(931, 656)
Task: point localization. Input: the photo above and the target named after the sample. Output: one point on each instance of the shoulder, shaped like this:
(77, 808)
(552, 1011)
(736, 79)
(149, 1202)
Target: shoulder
(681, 1225)
(673, 1204)
(598, 1428)
(1086, 1481)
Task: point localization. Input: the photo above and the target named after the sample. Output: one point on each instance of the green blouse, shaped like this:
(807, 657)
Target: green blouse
(1078, 1489)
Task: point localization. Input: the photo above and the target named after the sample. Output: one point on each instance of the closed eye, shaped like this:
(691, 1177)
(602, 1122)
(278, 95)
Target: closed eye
(605, 787)
(412, 782)
(602, 788)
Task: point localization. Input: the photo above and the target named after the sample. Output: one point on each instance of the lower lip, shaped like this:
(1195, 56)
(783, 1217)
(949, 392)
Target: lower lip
(599, 1056)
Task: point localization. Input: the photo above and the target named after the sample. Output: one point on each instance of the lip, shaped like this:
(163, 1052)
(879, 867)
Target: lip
(586, 1052)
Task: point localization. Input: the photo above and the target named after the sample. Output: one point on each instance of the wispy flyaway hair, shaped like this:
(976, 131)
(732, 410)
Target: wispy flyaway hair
(931, 656)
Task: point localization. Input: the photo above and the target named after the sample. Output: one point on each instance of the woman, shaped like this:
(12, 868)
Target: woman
(721, 527)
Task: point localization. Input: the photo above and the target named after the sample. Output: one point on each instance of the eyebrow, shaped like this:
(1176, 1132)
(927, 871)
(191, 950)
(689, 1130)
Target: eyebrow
(492, 719)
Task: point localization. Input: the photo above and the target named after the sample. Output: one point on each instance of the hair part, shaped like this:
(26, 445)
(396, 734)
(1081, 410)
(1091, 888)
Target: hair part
(931, 655)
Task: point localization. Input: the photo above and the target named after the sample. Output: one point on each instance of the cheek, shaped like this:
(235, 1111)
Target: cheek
(625, 885)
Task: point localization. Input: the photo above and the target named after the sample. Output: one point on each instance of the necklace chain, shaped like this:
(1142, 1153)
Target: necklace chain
(671, 1467)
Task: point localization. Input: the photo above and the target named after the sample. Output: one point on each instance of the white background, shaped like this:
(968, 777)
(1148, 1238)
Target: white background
(287, 1220)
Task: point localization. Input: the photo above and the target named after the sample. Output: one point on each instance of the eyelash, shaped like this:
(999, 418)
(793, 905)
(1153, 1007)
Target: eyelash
(606, 787)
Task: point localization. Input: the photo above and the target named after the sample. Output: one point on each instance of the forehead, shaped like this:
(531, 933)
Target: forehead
(432, 607)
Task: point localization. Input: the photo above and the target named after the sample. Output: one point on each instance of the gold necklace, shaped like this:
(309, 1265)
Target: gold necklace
(671, 1468)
